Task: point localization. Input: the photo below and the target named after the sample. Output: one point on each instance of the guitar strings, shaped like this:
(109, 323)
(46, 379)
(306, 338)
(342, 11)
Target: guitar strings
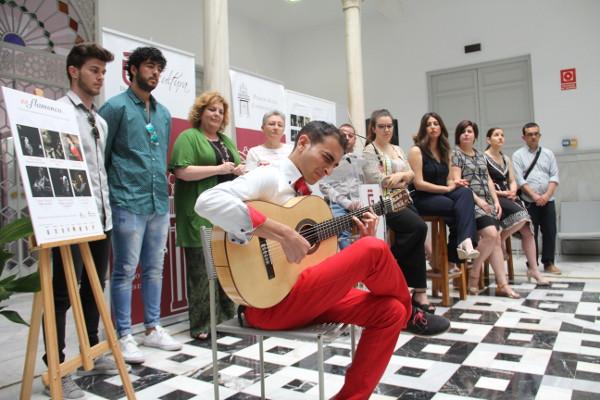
(330, 227)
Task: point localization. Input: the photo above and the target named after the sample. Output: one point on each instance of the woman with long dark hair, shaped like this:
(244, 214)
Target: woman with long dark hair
(434, 194)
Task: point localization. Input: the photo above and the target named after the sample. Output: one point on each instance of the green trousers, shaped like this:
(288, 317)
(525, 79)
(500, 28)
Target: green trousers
(198, 294)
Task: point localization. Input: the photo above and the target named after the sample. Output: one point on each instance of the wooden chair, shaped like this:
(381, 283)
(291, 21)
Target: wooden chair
(485, 278)
(319, 333)
(440, 275)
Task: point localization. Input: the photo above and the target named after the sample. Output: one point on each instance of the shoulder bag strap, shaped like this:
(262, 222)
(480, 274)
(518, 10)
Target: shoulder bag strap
(537, 155)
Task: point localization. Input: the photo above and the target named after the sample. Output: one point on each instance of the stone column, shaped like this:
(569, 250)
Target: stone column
(356, 96)
(216, 52)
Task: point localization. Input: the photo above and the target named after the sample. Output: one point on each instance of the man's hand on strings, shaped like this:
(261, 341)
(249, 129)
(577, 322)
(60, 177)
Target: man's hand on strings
(367, 224)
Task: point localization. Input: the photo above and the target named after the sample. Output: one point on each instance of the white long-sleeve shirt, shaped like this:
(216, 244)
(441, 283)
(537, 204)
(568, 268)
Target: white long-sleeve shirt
(223, 205)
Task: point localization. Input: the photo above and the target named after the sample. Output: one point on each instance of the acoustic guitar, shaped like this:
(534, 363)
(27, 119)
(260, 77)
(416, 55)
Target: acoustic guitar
(258, 274)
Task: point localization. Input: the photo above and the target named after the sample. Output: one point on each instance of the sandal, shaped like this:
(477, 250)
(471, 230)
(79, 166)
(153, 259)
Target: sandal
(202, 336)
(506, 291)
(427, 307)
(473, 287)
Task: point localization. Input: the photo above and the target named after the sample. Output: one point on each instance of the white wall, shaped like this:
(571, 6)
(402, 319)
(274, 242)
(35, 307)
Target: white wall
(430, 35)
(253, 48)
(425, 35)
(156, 20)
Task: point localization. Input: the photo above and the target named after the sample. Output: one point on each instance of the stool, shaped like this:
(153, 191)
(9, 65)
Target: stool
(485, 279)
(440, 276)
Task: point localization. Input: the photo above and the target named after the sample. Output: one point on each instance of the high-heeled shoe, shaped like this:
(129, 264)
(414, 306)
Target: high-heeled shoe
(506, 291)
(539, 279)
(465, 254)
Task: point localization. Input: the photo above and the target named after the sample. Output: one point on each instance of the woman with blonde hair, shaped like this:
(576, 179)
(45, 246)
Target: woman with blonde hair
(202, 157)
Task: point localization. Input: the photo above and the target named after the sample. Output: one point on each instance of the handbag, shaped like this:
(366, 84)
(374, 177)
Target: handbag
(529, 169)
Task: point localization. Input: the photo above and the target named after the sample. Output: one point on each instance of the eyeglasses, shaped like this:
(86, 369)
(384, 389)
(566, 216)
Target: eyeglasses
(152, 132)
(92, 122)
(382, 126)
(533, 134)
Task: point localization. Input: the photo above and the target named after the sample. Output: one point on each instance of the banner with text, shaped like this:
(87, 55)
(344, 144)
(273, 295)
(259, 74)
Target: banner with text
(177, 87)
(53, 168)
(252, 97)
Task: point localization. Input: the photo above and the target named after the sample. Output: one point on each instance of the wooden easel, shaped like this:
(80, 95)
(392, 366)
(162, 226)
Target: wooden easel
(44, 299)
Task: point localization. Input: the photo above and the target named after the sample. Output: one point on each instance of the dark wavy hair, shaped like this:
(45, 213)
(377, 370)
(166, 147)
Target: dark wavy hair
(421, 139)
(317, 131)
(141, 54)
(375, 115)
(462, 126)
(82, 52)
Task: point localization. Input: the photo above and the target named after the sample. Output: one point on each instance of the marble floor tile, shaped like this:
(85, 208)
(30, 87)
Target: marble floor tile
(545, 346)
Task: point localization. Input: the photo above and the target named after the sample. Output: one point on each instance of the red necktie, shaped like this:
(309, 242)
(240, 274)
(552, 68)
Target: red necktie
(301, 187)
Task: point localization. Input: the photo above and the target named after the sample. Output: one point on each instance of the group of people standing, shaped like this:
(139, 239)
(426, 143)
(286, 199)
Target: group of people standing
(126, 143)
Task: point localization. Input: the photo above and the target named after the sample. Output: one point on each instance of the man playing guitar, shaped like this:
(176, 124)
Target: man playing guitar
(326, 291)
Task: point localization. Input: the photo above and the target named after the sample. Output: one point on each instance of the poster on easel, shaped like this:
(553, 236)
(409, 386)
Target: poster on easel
(52, 167)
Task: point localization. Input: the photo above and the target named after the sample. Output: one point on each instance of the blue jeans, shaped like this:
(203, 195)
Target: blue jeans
(344, 238)
(137, 239)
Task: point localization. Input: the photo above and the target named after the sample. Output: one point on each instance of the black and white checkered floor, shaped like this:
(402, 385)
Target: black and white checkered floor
(543, 346)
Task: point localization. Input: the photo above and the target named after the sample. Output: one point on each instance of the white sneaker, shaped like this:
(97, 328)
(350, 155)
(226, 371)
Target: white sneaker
(131, 352)
(69, 388)
(161, 339)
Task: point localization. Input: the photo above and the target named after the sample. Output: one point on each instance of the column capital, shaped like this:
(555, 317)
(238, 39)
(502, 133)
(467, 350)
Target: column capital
(351, 4)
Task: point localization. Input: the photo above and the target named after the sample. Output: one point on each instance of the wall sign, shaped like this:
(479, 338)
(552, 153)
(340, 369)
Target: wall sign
(568, 79)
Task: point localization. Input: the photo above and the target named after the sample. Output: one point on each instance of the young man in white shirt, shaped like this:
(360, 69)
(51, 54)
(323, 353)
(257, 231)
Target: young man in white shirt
(326, 291)
(86, 66)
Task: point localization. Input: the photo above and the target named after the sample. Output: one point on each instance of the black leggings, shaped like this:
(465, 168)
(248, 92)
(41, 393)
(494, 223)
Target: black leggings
(409, 245)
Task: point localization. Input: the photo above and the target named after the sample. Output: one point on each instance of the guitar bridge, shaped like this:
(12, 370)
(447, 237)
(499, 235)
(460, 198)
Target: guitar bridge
(264, 249)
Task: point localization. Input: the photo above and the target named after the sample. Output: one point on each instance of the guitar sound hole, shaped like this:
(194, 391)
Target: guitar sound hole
(307, 230)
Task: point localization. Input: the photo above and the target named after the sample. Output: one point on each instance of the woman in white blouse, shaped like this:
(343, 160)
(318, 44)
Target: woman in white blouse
(272, 150)
(387, 165)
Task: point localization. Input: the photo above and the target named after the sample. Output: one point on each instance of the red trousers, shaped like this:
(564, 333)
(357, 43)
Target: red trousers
(327, 293)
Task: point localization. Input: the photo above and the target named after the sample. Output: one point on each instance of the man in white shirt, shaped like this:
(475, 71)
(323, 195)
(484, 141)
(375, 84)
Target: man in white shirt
(86, 66)
(537, 190)
(341, 187)
(326, 291)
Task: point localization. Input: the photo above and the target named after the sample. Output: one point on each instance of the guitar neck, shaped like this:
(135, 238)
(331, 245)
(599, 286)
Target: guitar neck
(335, 226)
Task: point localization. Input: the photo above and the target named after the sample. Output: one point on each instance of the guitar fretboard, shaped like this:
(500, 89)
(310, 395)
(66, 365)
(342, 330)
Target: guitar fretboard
(335, 226)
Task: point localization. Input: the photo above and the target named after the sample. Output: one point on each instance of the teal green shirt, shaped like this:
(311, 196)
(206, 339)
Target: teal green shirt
(193, 148)
(136, 167)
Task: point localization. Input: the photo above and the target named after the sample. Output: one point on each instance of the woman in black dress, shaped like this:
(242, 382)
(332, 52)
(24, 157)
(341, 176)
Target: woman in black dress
(435, 195)
(515, 217)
